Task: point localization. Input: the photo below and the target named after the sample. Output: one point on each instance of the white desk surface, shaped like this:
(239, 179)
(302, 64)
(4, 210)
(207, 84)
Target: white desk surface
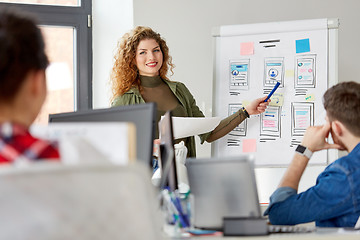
(320, 233)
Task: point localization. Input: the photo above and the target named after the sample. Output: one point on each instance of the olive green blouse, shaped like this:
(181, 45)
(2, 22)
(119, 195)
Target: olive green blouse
(184, 97)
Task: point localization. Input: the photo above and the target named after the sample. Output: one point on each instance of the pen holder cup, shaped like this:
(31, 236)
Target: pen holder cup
(177, 208)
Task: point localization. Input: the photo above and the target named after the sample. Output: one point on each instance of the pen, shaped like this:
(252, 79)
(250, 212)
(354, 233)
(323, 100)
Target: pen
(177, 204)
(167, 202)
(181, 211)
(272, 91)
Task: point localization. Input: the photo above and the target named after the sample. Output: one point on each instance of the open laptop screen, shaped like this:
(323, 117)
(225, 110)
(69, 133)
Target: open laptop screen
(167, 153)
(222, 187)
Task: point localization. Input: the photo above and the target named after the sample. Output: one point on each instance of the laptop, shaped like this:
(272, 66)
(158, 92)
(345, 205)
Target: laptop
(167, 153)
(222, 187)
(226, 197)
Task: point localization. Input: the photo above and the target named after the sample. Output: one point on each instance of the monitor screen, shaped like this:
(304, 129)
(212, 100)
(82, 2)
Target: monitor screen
(167, 153)
(142, 115)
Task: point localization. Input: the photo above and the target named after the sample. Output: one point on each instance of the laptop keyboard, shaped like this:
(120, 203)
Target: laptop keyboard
(290, 229)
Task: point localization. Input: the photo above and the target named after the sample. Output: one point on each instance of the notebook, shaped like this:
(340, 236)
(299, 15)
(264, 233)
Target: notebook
(222, 187)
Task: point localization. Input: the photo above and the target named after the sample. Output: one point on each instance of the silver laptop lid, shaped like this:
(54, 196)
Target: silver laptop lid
(222, 187)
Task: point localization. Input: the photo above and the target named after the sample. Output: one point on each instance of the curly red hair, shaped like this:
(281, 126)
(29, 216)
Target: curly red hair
(124, 73)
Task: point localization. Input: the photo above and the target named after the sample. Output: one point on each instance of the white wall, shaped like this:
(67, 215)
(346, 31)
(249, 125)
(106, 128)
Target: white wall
(111, 19)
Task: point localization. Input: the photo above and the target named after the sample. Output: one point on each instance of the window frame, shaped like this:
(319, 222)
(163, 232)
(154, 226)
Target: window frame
(78, 17)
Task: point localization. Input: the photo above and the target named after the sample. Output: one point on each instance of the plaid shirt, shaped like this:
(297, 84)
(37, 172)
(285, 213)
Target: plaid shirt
(17, 145)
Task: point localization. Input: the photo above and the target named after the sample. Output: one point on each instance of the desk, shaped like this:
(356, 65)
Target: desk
(319, 234)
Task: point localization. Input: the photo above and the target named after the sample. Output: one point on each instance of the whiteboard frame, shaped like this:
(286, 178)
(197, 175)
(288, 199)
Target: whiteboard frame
(332, 26)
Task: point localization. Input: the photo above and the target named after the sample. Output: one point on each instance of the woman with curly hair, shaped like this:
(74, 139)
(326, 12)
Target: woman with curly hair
(139, 75)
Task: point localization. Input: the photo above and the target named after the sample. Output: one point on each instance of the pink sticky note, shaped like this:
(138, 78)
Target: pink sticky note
(247, 48)
(249, 145)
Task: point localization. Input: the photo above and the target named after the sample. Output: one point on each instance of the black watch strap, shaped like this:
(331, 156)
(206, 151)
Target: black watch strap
(246, 113)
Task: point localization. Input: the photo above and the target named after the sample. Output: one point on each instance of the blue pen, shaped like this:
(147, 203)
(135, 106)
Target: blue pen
(176, 203)
(272, 91)
(179, 207)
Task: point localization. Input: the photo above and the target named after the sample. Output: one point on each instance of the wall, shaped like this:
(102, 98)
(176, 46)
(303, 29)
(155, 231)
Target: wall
(111, 19)
(187, 26)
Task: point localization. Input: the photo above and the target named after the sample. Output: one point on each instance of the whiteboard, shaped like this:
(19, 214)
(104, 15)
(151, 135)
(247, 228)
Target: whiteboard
(248, 61)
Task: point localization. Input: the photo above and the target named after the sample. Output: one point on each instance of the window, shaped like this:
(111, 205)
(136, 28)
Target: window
(60, 72)
(68, 39)
(46, 2)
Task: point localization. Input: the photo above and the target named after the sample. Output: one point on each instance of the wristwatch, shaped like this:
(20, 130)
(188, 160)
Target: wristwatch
(246, 113)
(304, 151)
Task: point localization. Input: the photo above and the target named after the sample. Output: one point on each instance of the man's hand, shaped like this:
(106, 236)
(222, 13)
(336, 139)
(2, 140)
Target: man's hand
(315, 138)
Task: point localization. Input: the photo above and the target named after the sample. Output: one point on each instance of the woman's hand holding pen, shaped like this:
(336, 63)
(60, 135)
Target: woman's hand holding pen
(257, 106)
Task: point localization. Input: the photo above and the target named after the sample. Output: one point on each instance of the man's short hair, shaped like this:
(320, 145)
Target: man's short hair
(342, 103)
(21, 50)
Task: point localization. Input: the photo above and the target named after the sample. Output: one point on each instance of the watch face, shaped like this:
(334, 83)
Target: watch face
(300, 149)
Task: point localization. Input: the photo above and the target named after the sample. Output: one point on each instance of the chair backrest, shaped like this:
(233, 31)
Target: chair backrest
(53, 201)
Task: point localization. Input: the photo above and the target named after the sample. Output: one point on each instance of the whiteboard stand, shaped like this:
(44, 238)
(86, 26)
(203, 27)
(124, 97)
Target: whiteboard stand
(333, 26)
(267, 29)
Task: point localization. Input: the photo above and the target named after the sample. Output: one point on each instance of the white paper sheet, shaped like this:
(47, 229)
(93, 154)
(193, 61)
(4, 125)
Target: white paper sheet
(187, 126)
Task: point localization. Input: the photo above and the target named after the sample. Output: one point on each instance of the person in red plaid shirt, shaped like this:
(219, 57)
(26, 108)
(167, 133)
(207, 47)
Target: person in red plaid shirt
(22, 89)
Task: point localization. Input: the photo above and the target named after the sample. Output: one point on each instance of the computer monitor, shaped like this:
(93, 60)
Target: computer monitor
(167, 153)
(142, 115)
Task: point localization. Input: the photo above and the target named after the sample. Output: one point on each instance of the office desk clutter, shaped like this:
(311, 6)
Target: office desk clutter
(220, 189)
(224, 199)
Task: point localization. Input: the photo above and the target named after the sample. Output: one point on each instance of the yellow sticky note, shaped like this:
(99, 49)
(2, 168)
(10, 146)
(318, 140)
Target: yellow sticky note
(249, 145)
(310, 97)
(245, 103)
(277, 99)
(289, 73)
